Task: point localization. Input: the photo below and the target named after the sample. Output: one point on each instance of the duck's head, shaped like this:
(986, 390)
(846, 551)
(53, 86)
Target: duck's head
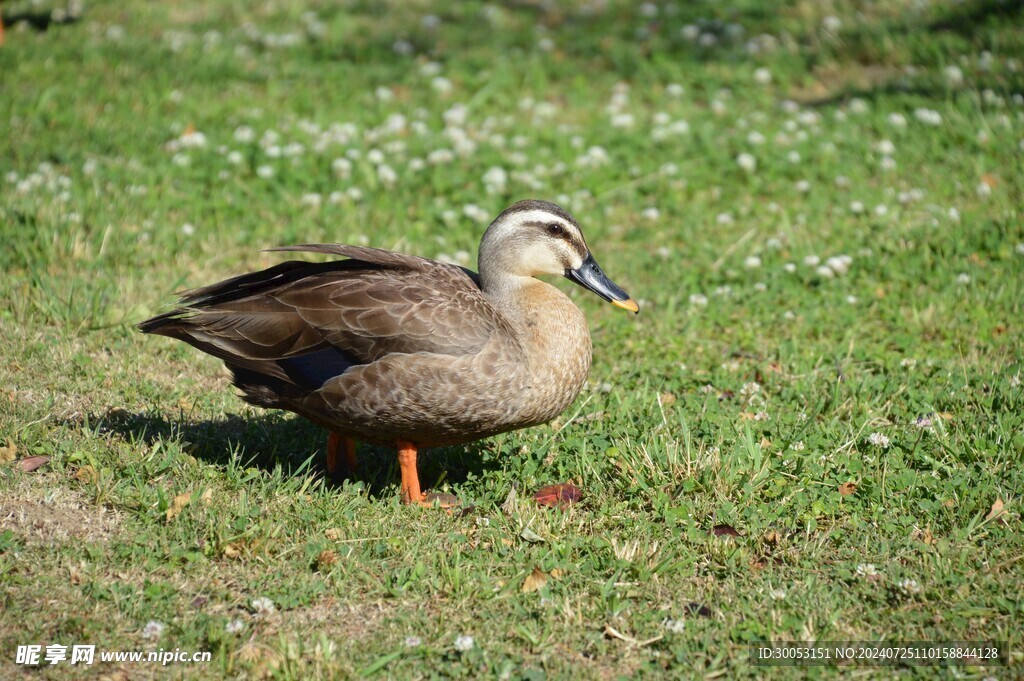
(538, 237)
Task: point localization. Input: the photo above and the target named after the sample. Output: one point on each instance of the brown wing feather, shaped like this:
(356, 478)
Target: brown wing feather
(377, 303)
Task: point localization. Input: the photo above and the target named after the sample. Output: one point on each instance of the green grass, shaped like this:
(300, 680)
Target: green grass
(754, 384)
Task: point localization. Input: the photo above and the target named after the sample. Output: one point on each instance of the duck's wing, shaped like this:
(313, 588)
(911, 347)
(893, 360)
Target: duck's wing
(306, 322)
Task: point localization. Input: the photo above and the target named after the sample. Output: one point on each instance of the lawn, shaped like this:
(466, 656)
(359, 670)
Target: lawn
(814, 430)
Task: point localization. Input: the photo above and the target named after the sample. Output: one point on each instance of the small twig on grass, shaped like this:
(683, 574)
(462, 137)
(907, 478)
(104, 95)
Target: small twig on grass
(612, 632)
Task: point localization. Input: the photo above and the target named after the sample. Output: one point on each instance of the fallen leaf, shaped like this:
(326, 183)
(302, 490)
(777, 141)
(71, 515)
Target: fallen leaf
(772, 537)
(232, 550)
(991, 180)
(559, 495)
(847, 488)
(325, 559)
(30, 463)
(667, 399)
(996, 510)
(511, 502)
(177, 505)
(9, 452)
(534, 581)
(86, 474)
(206, 497)
(531, 536)
(725, 531)
(556, 573)
(333, 533)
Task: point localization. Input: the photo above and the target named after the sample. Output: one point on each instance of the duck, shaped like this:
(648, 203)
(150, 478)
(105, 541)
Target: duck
(400, 350)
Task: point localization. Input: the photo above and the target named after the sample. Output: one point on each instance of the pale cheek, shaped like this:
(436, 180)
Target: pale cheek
(539, 260)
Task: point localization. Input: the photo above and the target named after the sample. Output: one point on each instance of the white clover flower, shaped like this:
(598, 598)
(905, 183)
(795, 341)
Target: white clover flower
(690, 32)
(266, 172)
(188, 229)
(825, 272)
(885, 147)
(192, 139)
(812, 260)
(698, 300)
(724, 219)
(858, 106)
(342, 167)
(1019, 248)
(153, 630)
(909, 586)
(674, 626)
(752, 262)
(954, 76)
(832, 23)
(441, 85)
(928, 116)
(387, 175)
(866, 570)
(623, 120)
(464, 643)
(797, 446)
(234, 626)
(923, 422)
(495, 179)
(984, 190)
(475, 213)
(851, 300)
(762, 416)
(413, 641)
(674, 90)
(963, 278)
(651, 213)
(777, 594)
(839, 264)
(262, 605)
(762, 76)
(887, 163)
(879, 440)
(755, 138)
(440, 156)
(789, 267)
(431, 69)
(793, 157)
(897, 120)
(747, 162)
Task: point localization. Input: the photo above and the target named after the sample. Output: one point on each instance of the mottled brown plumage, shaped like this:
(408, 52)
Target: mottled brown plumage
(387, 347)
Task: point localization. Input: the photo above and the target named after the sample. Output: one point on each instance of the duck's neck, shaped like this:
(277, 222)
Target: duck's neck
(548, 326)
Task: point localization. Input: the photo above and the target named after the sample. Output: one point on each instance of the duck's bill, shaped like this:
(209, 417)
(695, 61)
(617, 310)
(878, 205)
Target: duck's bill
(589, 276)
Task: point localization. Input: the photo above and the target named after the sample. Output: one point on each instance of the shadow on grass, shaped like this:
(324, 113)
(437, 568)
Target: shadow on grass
(271, 440)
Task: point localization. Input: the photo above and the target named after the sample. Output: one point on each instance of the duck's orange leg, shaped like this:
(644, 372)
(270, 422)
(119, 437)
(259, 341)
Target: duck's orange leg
(336, 443)
(411, 492)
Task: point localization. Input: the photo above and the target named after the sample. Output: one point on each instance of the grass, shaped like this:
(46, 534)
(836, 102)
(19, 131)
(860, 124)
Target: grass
(858, 422)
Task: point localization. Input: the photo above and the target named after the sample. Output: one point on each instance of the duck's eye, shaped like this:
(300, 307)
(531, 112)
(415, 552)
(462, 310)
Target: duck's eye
(555, 229)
